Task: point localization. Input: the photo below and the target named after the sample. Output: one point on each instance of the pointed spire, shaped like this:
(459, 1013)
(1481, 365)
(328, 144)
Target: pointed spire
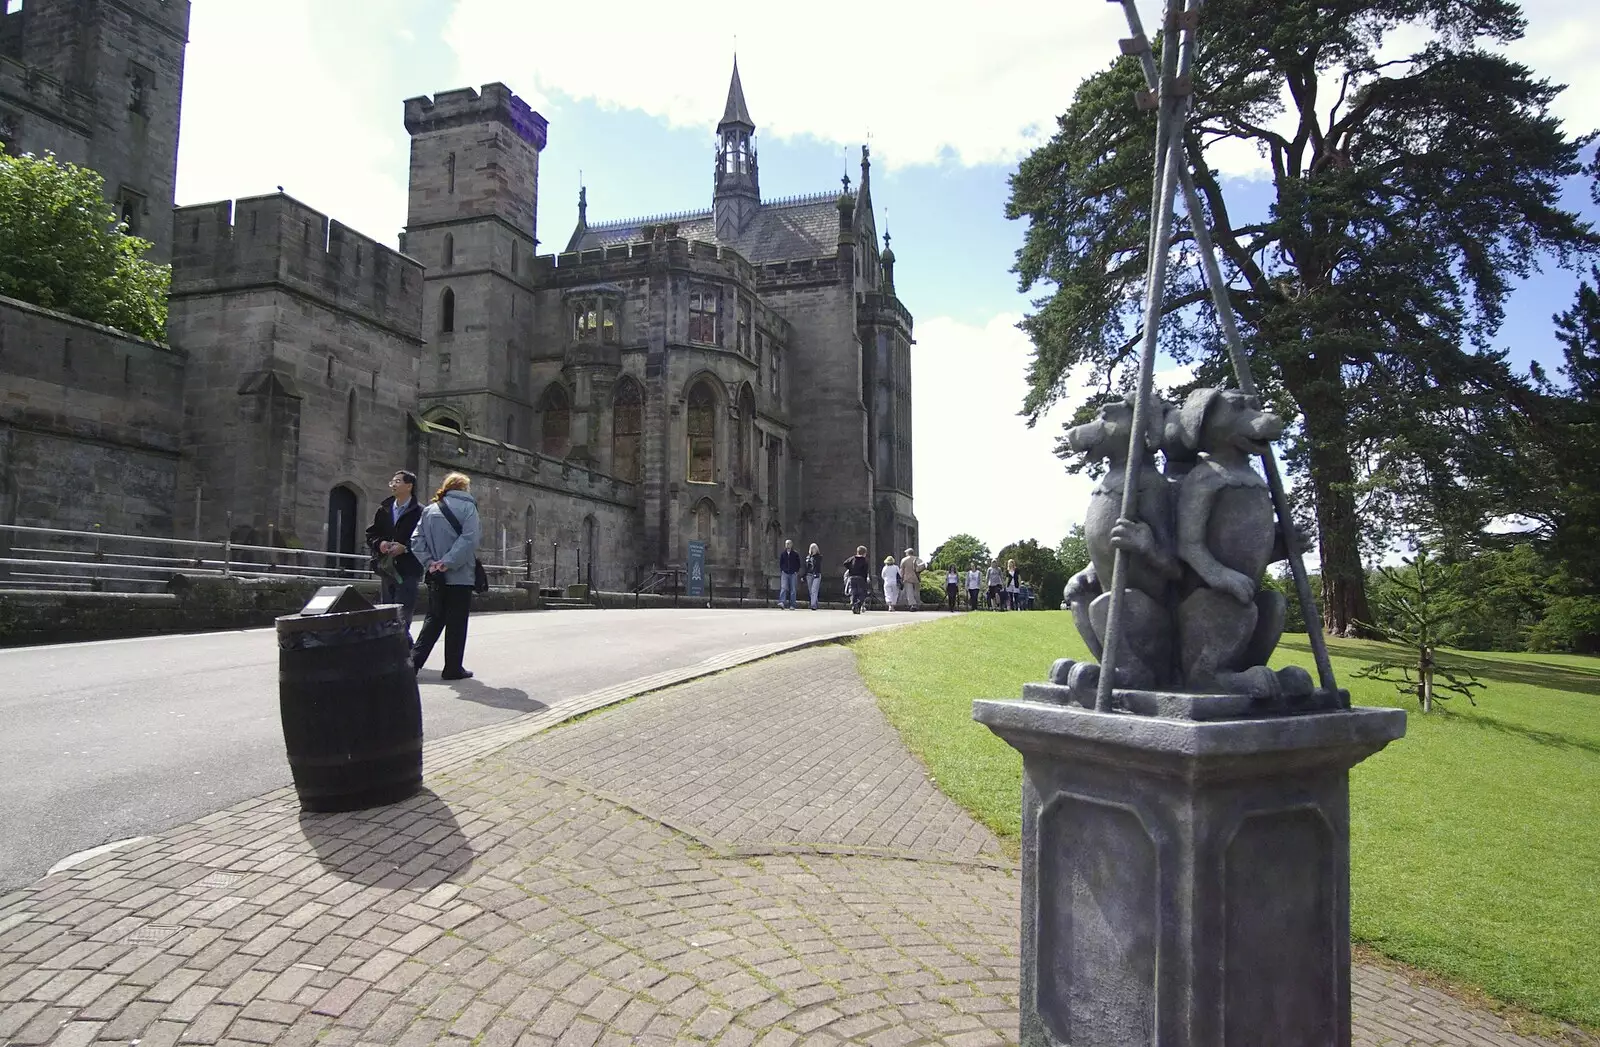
(735, 112)
(583, 206)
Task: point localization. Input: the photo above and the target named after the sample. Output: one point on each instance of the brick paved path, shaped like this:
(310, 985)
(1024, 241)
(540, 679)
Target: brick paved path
(706, 864)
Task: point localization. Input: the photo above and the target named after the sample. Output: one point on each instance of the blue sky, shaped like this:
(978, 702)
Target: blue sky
(308, 96)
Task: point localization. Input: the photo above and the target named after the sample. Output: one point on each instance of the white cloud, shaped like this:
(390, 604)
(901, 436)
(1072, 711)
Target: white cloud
(284, 101)
(984, 84)
(983, 88)
(979, 469)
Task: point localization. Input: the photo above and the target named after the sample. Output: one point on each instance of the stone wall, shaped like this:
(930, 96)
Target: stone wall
(90, 424)
(190, 605)
(522, 494)
(305, 339)
(835, 486)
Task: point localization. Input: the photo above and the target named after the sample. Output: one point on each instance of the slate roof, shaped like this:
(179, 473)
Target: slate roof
(781, 231)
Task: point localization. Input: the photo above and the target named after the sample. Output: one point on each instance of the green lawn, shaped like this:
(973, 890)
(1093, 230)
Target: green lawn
(1475, 839)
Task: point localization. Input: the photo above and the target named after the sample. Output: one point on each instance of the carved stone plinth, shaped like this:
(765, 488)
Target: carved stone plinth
(1186, 883)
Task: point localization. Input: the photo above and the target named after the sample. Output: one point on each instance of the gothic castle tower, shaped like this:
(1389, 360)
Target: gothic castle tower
(97, 83)
(473, 204)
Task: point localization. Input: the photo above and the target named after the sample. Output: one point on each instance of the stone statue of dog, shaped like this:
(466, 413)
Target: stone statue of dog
(1228, 624)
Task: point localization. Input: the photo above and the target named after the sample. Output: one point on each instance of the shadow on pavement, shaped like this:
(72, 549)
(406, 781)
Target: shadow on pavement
(513, 698)
(415, 843)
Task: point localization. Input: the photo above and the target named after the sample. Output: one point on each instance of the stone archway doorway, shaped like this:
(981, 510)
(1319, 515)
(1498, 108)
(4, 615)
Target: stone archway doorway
(342, 521)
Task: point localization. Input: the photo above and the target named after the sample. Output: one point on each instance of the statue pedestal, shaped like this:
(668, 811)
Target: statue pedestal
(1186, 883)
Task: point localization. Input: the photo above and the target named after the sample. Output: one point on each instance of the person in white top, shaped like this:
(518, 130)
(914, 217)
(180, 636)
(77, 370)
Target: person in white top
(974, 583)
(952, 587)
(891, 582)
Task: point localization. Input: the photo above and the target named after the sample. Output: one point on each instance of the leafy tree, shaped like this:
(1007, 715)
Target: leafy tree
(1073, 552)
(1279, 578)
(1408, 198)
(960, 551)
(1038, 567)
(1415, 607)
(1572, 433)
(61, 247)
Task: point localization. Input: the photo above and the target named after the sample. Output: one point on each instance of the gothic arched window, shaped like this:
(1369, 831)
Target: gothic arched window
(745, 438)
(555, 422)
(702, 434)
(447, 311)
(627, 425)
(449, 252)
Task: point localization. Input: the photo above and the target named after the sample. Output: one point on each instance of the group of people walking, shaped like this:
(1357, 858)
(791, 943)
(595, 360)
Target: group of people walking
(436, 545)
(901, 580)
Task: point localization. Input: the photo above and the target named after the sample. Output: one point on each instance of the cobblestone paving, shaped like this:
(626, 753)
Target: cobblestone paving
(803, 759)
(508, 905)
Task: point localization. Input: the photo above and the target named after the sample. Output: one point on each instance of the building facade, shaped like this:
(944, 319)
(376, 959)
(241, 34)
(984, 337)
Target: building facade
(745, 367)
(738, 374)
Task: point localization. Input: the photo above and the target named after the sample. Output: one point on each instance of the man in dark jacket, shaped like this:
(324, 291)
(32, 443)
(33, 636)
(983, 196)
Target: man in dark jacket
(399, 573)
(857, 579)
(788, 573)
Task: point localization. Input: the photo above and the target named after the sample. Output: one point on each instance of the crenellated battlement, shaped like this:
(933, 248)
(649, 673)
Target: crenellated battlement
(779, 276)
(277, 240)
(677, 252)
(464, 107)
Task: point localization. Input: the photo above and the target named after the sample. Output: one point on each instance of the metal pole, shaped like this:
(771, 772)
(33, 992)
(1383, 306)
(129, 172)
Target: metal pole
(553, 546)
(1241, 368)
(227, 542)
(527, 559)
(1173, 104)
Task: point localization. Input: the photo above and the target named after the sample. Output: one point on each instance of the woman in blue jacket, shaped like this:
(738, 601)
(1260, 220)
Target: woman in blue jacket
(446, 543)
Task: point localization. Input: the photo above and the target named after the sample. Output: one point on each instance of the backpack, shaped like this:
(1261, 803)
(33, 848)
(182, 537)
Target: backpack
(480, 577)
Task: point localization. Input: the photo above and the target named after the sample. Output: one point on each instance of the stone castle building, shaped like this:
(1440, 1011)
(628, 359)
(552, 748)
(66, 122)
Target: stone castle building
(738, 374)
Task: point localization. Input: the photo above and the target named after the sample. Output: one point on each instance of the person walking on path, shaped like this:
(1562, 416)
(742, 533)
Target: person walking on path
(857, 571)
(788, 573)
(995, 603)
(952, 586)
(446, 541)
(891, 582)
(813, 574)
(389, 540)
(974, 583)
(911, 580)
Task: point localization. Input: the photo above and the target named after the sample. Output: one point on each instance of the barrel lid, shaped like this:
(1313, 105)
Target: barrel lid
(301, 622)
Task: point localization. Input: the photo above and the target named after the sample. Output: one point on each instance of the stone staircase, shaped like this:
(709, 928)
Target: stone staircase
(570, 598)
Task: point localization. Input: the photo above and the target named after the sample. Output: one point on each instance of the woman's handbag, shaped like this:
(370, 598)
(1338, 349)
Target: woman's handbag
(480, 577)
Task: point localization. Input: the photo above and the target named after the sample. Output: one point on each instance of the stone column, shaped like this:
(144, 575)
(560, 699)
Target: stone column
(1185, 883)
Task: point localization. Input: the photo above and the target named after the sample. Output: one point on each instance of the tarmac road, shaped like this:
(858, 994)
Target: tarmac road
(103, 741)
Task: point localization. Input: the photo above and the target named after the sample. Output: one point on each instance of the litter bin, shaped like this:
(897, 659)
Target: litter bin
(352, 717)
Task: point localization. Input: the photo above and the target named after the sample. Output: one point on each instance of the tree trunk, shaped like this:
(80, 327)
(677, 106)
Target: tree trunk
(1344, 583)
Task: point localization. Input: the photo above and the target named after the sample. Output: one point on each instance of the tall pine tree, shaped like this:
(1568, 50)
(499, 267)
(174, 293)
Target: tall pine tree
(1410, 194)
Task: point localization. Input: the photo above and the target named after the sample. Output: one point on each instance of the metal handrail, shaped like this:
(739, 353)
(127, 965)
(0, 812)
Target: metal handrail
(89, 566)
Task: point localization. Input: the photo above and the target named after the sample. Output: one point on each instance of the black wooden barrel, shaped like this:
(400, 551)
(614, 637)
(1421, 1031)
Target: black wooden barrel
(352, 717)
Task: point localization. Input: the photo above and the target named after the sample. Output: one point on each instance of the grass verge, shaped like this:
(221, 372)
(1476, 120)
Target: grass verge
(1475, 845)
